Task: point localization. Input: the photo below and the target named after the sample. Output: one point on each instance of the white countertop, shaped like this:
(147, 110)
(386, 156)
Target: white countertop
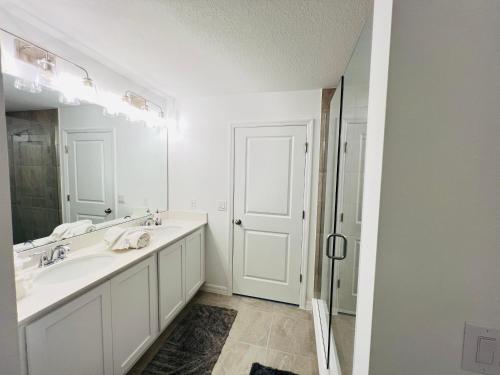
(45, 297)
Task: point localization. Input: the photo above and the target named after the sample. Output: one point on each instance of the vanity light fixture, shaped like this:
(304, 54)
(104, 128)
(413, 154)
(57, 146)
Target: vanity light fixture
(140, 102)
(32, 53)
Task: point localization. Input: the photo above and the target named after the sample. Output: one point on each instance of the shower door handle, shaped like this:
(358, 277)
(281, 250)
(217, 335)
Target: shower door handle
(344, 247)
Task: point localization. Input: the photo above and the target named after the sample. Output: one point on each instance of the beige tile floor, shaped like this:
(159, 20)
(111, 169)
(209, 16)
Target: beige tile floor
(271, 333)
(343, 330)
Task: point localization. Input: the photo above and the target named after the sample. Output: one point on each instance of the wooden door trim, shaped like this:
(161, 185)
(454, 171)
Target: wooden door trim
(309, 126)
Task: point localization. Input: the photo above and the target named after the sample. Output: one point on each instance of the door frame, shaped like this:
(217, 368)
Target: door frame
(65, 208)
(309, 125)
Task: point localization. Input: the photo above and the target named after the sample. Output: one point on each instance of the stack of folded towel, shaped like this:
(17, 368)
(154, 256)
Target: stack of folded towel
(118, 238)
(24, 284)
(68, 230)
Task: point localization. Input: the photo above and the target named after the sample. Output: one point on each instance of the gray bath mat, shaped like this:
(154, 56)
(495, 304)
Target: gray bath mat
(258, 369)
(195, 343)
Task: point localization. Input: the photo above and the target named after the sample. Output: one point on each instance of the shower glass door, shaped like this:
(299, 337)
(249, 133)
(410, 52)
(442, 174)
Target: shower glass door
(342, 209)
(327, 293)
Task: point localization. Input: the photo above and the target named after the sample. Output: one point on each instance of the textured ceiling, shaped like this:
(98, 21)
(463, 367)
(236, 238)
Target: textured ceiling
(208, 47)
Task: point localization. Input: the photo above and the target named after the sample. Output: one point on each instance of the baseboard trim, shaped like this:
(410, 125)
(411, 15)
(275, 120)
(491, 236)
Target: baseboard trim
(214, 288)
(348, 312)
(309, 305)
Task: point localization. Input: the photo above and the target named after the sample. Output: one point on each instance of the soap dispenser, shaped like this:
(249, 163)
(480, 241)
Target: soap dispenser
(157, 217)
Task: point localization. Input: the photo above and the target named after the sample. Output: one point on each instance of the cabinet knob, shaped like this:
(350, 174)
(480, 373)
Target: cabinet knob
(237, 222)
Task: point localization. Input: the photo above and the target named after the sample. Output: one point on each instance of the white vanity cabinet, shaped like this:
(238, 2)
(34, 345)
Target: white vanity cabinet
(73, 339)
(171, 262)
(195, 262)
(134, 301)
(107, 329)
(181, 269)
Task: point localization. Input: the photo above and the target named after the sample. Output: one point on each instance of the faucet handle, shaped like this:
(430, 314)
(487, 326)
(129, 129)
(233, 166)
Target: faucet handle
(62, 250)
(44, 258)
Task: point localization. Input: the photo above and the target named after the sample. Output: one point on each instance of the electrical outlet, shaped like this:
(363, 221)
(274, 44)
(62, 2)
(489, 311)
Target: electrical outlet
(193, 204)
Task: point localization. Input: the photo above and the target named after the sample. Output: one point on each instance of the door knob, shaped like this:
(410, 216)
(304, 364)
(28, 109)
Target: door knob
(237, 222)
(107, 211)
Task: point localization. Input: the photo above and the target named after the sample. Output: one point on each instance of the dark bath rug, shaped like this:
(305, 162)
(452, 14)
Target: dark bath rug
(195, 343)
(258, 369)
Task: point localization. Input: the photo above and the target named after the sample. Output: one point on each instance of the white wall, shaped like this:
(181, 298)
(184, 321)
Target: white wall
(438, 259)
(199, 161)
(9, 351)
(140, 156)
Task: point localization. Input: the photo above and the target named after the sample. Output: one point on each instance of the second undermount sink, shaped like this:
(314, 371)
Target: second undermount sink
(71, 269)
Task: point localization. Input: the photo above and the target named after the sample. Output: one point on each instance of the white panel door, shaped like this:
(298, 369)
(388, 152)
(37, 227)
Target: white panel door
(74, 339)
(269, 167)
(195, 262)
(134, 299)
(91, 175)
(171, 263)
(351, 202)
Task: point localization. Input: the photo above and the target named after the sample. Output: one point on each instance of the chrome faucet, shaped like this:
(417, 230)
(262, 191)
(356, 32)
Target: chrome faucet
(53, 255)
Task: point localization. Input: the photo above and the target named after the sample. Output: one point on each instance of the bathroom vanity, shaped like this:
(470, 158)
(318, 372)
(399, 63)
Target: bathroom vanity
(98, 311)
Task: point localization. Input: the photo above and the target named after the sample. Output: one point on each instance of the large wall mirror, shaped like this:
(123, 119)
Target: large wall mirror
(72, 160)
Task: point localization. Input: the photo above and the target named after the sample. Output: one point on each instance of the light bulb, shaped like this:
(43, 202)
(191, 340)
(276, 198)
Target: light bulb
(68, 100)
(33, 87)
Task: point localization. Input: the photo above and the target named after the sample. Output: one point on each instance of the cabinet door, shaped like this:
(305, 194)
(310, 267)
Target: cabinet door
(171, 263)
(134, 299)
(74, 339)
(195, 263)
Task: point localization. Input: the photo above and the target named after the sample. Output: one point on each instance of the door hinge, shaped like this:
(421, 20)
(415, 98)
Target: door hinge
(300, 278)
(345, 147)
(342, 217)
(303, 215)
(307, 146)
(338, 283)
(66, 149)
(68, 197)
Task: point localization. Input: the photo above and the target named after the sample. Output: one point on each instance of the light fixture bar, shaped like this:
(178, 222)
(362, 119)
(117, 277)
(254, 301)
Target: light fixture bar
(87, 77)
(141, 102)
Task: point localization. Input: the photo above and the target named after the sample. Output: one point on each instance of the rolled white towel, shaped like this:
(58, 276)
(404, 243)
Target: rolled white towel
(126, 238)
(137, 239)
(68, 230)
(83, 228)
(113, 234)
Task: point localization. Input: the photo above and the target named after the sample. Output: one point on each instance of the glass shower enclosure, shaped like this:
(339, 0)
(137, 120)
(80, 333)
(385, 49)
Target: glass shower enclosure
(340, 233)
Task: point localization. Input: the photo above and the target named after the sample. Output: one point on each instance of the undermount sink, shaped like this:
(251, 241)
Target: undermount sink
(71, 269)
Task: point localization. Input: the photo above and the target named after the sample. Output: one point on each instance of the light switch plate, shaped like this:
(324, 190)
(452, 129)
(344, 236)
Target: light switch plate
(221, 205)
(481, 352)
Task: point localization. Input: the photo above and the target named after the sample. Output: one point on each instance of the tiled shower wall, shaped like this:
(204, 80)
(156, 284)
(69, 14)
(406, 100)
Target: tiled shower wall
(326, 98)
(34, 173)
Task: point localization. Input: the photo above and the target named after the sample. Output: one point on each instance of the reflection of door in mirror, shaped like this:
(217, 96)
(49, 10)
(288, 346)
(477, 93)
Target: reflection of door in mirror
(34, 177)
(90, 170)
(351, 200)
